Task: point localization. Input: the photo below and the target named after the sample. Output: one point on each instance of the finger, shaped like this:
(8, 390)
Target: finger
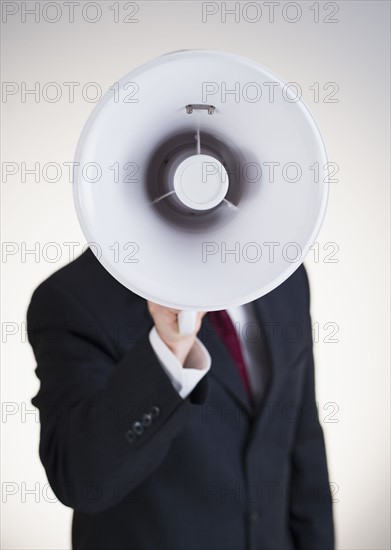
(157, 308)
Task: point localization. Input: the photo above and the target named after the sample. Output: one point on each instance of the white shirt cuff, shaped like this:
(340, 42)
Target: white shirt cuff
(185, 377)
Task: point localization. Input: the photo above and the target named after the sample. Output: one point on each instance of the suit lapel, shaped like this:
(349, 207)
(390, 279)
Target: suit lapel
(263, 312)
(275, 314)
(223, 367)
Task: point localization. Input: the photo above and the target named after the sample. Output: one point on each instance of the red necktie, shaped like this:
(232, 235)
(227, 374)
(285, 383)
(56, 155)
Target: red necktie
(226, 330)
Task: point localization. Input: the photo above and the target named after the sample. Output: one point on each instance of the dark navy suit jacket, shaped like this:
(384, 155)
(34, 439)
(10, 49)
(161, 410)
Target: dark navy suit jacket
(143, 468)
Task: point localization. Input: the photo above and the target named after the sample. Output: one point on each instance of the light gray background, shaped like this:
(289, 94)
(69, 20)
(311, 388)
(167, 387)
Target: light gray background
(351, 374)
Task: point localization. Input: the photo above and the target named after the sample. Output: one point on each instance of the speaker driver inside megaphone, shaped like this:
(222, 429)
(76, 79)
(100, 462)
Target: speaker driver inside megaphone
(193, 180)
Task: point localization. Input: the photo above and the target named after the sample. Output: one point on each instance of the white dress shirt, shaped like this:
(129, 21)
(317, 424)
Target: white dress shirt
(185, 377)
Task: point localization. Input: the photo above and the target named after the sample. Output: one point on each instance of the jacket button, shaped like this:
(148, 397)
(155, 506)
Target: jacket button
(130, 436)
(254, 516)
(147, 420)
(155, 411)
(138, 427)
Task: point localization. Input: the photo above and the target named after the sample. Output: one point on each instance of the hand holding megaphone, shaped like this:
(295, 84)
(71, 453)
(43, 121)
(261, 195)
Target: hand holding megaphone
(168, 325)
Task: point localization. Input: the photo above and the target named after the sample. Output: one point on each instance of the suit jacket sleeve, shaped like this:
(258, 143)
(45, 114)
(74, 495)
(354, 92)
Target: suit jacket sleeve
(106, 422)
(311, 520)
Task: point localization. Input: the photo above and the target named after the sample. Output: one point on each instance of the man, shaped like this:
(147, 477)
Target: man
(155, 440)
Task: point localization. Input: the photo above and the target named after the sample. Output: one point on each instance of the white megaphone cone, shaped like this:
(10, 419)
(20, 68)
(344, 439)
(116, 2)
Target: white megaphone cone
(201, 181)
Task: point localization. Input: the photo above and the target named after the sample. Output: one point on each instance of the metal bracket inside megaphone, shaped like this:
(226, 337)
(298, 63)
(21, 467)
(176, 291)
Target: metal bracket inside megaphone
(199, 106)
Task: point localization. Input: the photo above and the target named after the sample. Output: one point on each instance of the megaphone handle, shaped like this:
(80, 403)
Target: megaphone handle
(187, 322)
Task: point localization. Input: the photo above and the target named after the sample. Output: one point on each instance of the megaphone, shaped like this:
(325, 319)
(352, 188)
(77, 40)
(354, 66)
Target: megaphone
(201, 181)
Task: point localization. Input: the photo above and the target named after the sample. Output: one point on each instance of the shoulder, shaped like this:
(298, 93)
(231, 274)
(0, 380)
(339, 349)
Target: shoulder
(84, 270)
(83, 284)
(291, 298)
(296, 287)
